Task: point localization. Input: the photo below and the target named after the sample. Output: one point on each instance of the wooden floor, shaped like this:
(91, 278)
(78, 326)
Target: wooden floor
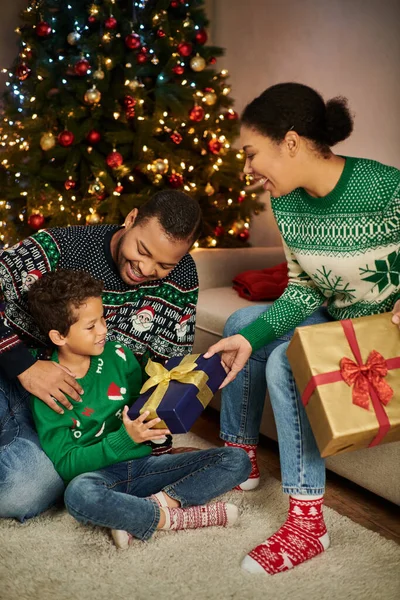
(347, 498)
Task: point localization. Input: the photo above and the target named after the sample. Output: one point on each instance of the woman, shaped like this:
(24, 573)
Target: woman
(337, 216)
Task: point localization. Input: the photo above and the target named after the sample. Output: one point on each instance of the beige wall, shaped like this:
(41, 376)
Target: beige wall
(340, 47)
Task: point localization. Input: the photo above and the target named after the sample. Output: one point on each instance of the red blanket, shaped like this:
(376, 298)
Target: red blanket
(263, 284)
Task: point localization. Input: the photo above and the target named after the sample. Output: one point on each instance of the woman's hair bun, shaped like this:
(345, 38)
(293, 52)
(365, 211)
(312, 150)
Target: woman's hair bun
(339, 122)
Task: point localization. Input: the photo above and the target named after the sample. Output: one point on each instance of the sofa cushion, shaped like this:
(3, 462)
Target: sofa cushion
(215, 305)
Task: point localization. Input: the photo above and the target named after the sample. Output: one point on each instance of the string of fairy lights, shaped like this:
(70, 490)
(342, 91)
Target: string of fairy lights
(211, 141)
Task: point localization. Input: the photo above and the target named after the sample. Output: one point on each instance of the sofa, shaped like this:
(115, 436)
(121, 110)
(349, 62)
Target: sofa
(376, 469)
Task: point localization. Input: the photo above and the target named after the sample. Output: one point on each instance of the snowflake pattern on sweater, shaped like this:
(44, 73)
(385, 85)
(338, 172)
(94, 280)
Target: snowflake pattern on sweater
(147, 318)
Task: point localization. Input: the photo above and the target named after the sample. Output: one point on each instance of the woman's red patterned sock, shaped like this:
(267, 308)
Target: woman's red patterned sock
(209, 515)
(300, 538)
(254, 478)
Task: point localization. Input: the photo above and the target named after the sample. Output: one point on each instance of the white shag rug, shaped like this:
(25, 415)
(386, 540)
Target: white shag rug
(52, 557)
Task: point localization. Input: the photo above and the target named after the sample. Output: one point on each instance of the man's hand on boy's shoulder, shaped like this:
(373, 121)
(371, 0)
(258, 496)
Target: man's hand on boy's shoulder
(49, 382)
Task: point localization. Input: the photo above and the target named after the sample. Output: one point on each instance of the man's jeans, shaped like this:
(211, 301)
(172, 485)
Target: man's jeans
(29, 484)
(118, 496)
(243, 403)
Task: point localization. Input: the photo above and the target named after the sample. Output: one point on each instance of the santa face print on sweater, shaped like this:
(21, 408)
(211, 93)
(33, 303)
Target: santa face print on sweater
(181, 328)
(143, 319)
(28, 279)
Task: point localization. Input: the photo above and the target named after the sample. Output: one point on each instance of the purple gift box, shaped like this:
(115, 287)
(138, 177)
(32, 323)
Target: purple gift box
(179, 408)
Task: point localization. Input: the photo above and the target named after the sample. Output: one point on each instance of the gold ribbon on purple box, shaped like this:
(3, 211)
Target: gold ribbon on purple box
(160, 378)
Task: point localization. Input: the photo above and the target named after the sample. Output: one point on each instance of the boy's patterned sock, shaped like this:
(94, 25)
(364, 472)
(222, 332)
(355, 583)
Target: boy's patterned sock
(208, 515)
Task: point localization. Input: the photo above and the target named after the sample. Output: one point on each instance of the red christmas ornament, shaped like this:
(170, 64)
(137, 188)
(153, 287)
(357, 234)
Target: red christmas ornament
(70, 184)
(82, 67)
(23, 71)
(185, 48)
(66, 138)
(176, 3)
(214, 146)
(129, 101)
(244, 235)
(36, 221)
(176, 137)
(241, 198)
(212, 60)
(92, 19)
(43, 29)
(178, 70)
(231, 115)
(197, 114)
(219, 231)
(114, 159)
(141, 57)
(27, 53)
(201, 36)
(175, 180)
(111, 23)
(93, 137)
(119, 189)
(133, 41)
(208, 89)
(130, 112)
(160, 33)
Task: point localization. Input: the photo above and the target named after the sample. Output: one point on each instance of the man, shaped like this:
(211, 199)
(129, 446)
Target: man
(144, 265)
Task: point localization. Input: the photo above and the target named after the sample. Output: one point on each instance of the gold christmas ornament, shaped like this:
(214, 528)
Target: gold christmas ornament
(92, 96)
(133, 85)
(238, 226)
(47, 141)
(93, 218)
(210, 98)
(99, 74)
(209, 189)
(108, 63)
(197, 63)
(160, 166)
(73, 38)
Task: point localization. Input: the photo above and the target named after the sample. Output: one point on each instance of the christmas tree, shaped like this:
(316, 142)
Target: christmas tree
(110, 101)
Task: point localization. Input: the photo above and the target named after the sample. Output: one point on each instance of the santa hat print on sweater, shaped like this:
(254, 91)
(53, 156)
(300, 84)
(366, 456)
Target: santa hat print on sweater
(115, 392)
(119, 351)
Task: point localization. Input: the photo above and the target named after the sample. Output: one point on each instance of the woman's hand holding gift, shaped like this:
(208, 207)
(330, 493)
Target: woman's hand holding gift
(236, 351)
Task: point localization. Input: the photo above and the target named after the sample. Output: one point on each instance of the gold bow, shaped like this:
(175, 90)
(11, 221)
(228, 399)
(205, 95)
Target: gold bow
(161, 377)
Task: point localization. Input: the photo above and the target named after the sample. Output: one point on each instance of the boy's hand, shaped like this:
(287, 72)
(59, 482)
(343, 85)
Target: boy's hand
(49, 381)
(139, 431)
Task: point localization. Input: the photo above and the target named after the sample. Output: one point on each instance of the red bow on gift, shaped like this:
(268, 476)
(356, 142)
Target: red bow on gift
(363, 376)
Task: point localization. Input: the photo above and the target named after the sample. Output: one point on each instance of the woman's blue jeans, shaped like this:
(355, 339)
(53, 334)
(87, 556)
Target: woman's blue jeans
(118, 496)
(303, 469)
(29, 484)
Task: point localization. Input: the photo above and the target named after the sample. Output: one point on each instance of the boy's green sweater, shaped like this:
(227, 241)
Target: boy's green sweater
(343, 249)
(92, 436)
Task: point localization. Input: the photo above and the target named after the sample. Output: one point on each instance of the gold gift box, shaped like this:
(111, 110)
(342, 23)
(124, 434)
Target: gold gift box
(339, 425)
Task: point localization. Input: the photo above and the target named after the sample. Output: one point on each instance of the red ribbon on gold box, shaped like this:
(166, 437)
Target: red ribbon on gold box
(355, 404)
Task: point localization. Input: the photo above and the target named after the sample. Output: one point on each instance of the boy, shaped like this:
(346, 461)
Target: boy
(131, 492)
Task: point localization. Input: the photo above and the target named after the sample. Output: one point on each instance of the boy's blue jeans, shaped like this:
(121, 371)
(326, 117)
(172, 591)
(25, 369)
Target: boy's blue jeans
(118, 496)
(29, 484)
(303, 469)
